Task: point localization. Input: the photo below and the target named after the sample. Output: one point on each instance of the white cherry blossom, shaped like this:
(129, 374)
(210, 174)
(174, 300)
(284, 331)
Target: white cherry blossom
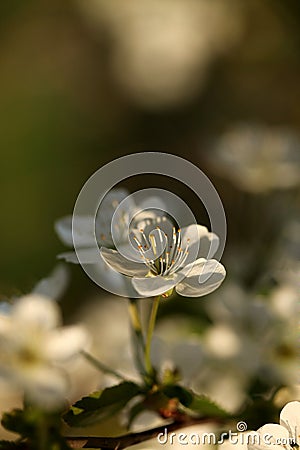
(284, 436)
(165, 258)
(32, 344)
(258, 158)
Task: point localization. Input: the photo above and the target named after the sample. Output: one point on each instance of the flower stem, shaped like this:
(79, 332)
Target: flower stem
(139, 343)
(151, 326)
(99, 365)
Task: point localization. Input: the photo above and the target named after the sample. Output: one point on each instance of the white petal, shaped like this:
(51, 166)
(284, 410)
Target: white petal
(108, 207)
(193, 233)
(159, 351)
(36, 311)
(222, 341)
(83, 230)
(123, 265)
(114, 196)
(5, 324)
(203, 277)
(82, 255)
(65, 343)
(188, 356)
(290, 418)
(207, 243)
(269, 436)
(129, 250)
(45, 386)
(111, 280)
(54, 285)
(70, 257)
(151, 286)
(145, 207)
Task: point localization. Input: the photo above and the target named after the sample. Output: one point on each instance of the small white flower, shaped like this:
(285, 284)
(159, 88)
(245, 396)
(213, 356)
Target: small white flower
(53, 287)
(284, 436)
(107, 320)
(177, 348)
(258, 158)
(31, 345)
(170, 258)
(161, 51)
(250, 338)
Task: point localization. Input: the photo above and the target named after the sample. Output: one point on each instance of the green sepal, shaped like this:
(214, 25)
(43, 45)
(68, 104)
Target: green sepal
(101, 404)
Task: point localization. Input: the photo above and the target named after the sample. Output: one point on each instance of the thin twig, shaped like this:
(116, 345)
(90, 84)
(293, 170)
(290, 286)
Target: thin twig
(127, 440)
(99, 365)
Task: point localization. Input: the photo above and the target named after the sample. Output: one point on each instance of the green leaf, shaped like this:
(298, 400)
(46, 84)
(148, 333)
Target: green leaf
(204, 407)
(101, 404)
(184, 395)
(28, 423)
(135, 411)
(19, 421)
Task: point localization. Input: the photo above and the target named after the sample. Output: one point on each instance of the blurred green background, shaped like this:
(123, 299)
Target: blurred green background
(84, 82)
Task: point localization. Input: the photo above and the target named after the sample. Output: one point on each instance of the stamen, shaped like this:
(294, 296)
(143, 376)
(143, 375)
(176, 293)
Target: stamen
(153, 243)
(173, 254)
(167, 259)
(161, 265)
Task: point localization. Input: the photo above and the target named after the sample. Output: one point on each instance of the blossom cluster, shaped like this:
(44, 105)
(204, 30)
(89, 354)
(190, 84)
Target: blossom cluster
(239, 345)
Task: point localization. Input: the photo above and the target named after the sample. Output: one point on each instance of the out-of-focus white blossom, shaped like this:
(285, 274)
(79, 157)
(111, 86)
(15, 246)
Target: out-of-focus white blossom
(284, 436)
(31, 347)
(251, 337)
(54, 285)
(173, 347)
(10, 398)
(85, 228)
(107, 322)
(161, 50)
(238, 441)
(287, 394)
(258, 158)
(176, 349)
(169, 259)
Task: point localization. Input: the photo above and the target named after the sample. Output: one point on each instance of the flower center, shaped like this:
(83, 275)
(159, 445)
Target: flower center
(28, 356)
(162, 254)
